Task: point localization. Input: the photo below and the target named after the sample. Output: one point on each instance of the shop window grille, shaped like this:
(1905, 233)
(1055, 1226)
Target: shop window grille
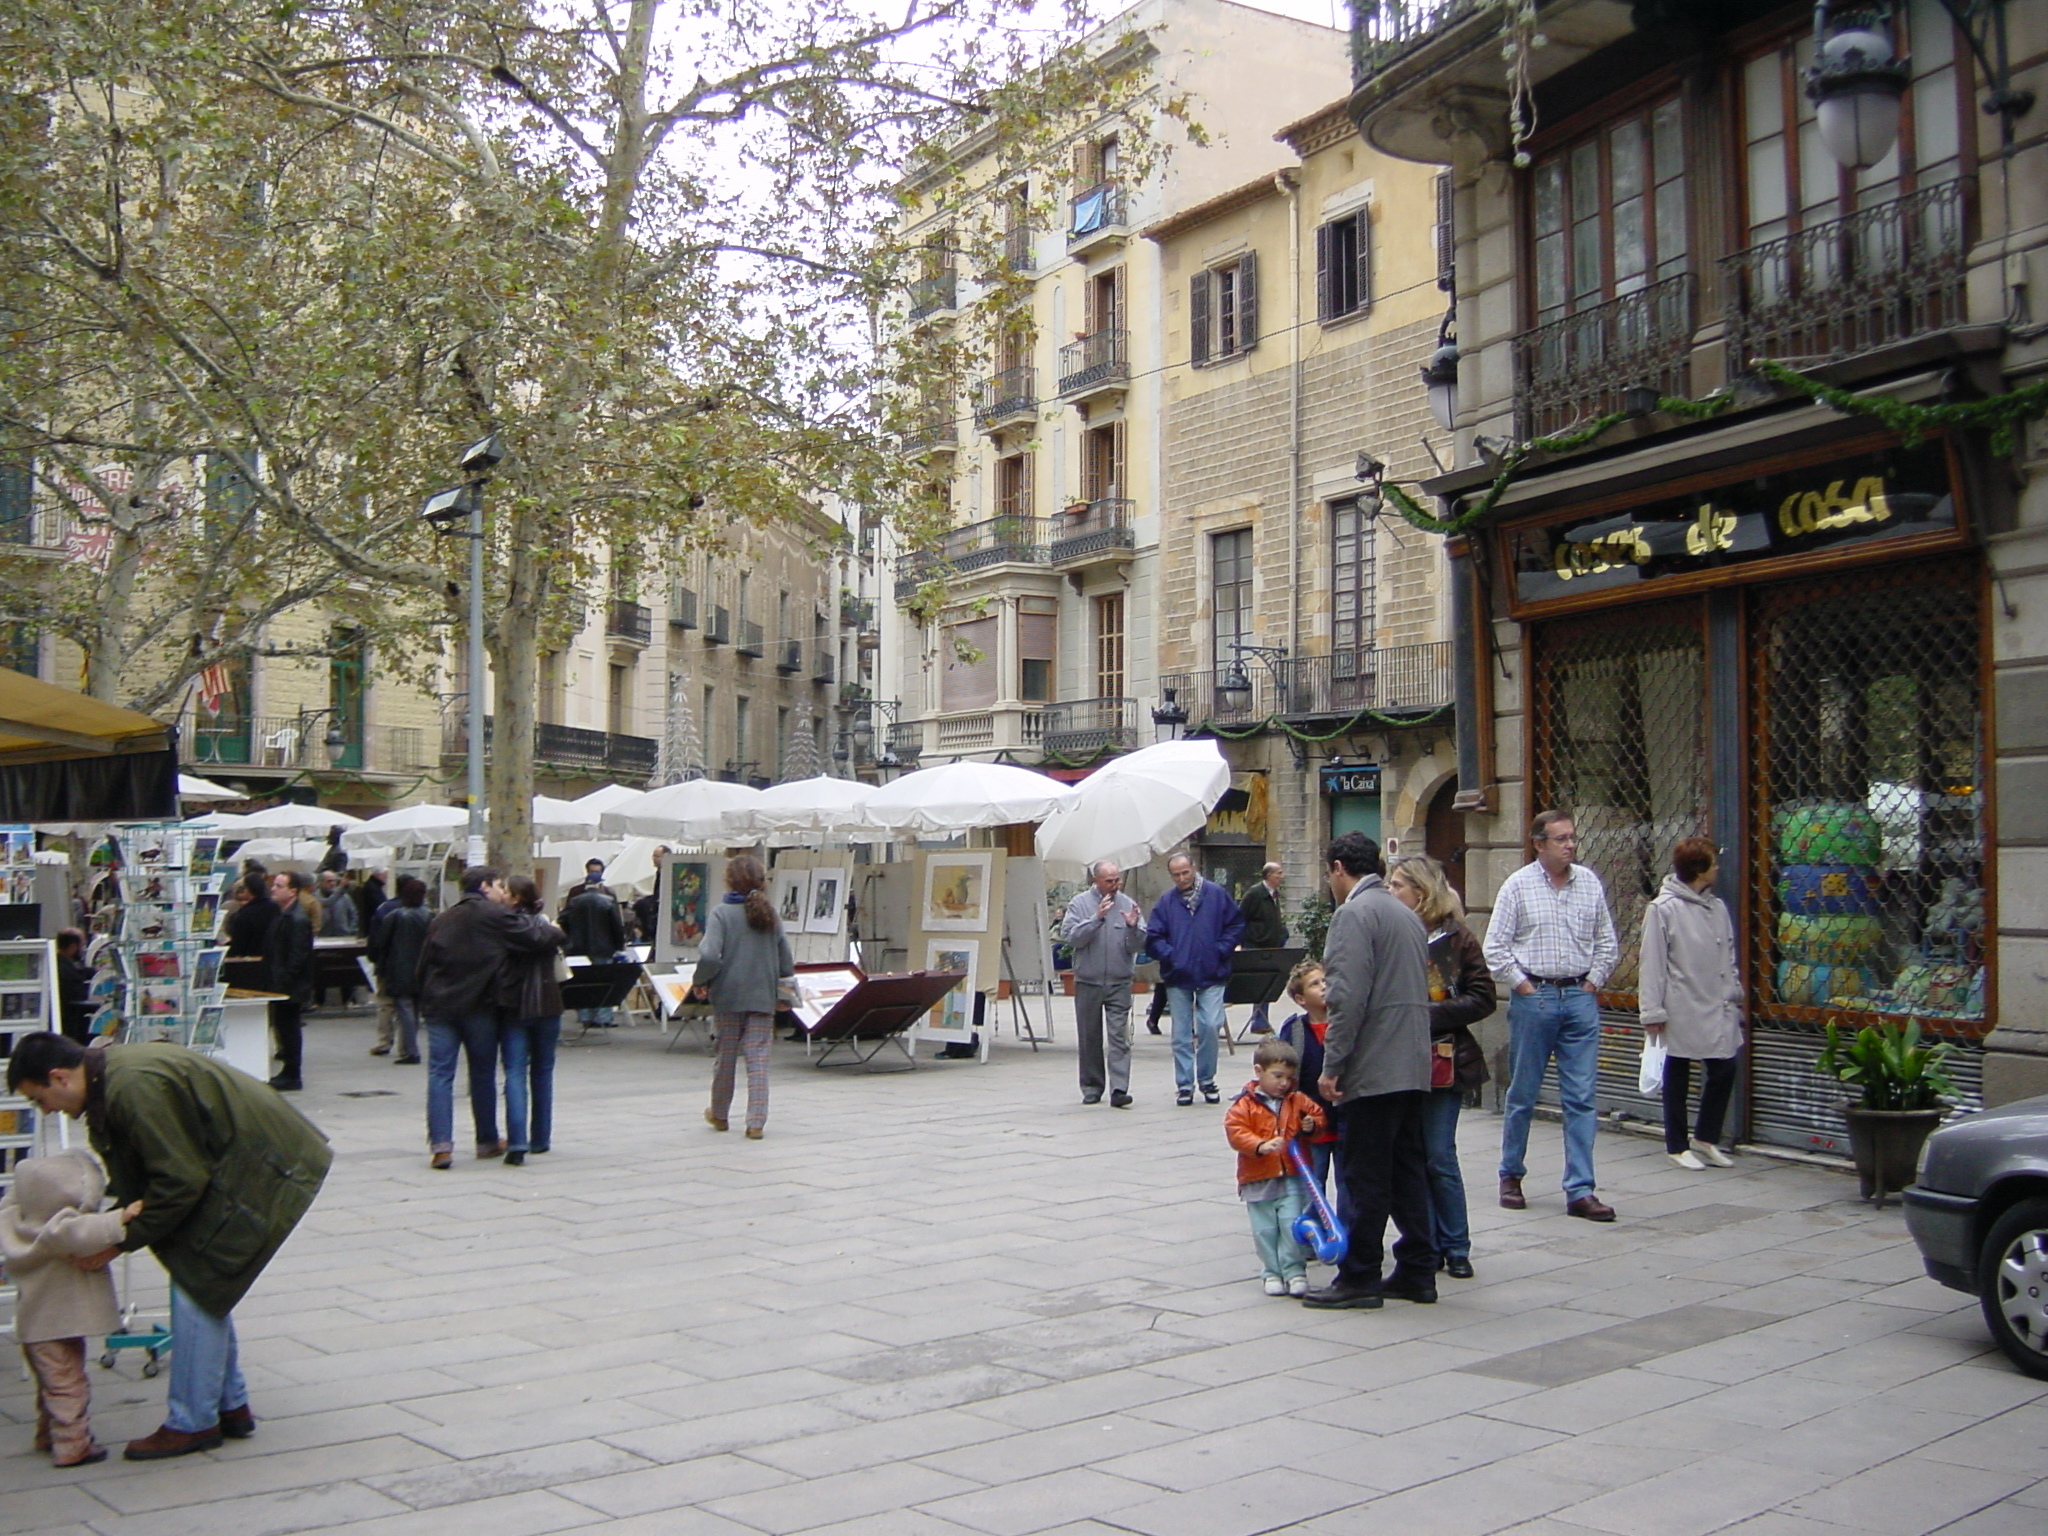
(1619, 740)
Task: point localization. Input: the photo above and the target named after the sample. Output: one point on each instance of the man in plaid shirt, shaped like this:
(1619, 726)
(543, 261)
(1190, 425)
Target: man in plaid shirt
(1551, 940)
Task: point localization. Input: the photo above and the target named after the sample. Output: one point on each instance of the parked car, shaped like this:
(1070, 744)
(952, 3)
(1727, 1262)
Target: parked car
(1980, 1216)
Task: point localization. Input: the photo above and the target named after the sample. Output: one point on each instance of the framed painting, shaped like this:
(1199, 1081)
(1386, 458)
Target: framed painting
(686, 898)
(952, 1017)
(827, 902)
(791, 893)
(956, 893)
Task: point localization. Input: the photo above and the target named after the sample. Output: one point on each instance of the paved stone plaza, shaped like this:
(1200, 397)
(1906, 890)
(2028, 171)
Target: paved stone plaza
(957, 1301)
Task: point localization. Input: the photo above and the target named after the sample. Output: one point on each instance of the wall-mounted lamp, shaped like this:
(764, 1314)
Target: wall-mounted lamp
(1856, 82)
(1440, 374)
(1169, 714)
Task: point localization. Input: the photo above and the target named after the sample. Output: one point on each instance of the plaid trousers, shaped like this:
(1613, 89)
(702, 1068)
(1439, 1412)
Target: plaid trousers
(753, 1032)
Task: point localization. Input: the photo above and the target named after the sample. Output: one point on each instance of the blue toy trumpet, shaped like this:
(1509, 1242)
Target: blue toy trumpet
(1317, 1230)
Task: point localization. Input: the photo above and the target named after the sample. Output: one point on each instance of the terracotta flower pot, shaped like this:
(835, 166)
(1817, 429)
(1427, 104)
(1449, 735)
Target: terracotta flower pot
(1886, 1146)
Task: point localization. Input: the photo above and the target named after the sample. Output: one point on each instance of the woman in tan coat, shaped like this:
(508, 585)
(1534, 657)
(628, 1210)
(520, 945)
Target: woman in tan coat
(1690, 999)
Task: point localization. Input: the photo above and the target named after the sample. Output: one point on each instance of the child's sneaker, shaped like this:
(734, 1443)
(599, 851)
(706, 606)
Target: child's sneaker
(1298, 1286)
(1275, 1286)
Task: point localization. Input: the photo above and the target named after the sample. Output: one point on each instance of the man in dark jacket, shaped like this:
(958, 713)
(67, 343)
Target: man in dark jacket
(1264, 928)
(596, 930)
(74, 986)
(1376, 1071)
(288, 971)
(459, 983)
(224, 1169)
(398, 932)
(1192, 931)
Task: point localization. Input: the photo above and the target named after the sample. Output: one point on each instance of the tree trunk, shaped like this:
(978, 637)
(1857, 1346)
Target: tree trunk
(515, 669)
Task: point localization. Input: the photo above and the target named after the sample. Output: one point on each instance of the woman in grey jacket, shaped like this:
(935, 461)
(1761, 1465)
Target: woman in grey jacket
(1691, 1000)
(740, 966)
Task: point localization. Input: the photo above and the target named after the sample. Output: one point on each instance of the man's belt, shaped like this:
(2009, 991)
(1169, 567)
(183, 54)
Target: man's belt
(1560, 981)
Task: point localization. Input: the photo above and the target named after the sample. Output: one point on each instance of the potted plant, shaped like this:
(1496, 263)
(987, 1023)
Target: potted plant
(1905, 1094)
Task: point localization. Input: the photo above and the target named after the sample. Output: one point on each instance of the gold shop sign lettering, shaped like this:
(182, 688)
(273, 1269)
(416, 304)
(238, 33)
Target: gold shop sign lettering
(1881, 495)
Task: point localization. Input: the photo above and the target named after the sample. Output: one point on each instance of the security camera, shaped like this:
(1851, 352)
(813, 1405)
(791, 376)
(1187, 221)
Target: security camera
(483, 454)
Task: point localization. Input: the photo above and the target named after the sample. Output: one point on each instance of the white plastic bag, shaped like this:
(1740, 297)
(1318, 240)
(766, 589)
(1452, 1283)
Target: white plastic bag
(1650, 1079)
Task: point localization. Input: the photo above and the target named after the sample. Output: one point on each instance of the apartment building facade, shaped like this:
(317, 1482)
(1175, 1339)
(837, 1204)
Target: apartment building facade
(1299, 624)
(1043, 642)
(1751, 587)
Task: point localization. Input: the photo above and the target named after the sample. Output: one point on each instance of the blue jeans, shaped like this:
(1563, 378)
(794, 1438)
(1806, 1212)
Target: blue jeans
(1446, 1181)
(474, 1035)
(1273, 1232)
(1197, 1019)
(206, 1373)
(1564, 1023)
(529, 1047)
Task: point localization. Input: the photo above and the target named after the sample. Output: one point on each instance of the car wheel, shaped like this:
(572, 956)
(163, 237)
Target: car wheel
(2012, 1283)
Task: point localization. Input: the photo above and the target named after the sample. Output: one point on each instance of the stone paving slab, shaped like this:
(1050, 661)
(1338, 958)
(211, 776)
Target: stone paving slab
(956, 1301)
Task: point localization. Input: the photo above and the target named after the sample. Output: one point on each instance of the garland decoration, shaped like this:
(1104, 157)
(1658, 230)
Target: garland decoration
(1274, 722)
(2002, 414)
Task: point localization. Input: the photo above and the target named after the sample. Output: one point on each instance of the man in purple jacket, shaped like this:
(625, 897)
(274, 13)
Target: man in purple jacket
(1193, 930)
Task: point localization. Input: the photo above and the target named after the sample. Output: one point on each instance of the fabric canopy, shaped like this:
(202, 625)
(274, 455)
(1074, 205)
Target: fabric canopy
(65, 757)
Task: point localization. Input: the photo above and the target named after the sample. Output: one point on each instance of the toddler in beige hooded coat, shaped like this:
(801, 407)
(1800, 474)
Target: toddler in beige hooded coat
(51, 1215)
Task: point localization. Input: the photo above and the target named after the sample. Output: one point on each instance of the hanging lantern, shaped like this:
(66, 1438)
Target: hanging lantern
(1856, 83)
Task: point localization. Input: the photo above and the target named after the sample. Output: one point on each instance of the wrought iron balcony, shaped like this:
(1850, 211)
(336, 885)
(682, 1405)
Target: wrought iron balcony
(1091, 725)
(856, 612)
(569, 749)
(751, 642)
(682, 608)
(719, 630)
(1403, 679)
(1383, 31)
(999, 541)
(789, 657)
(1095, 213)
(1101, 531)
(1095, 364)
(1011, 395)
(1017, 253)
(1883, 275)
(935, 432)
(906, 741)
(629, 621)
(298, 743)
(1581, 366)
(934, 294)
(824, 664)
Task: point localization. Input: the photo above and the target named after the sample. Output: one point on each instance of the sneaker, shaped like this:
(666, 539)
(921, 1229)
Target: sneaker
(1185, 1097)
(1118, 1099)
(1713, 1154)
(1275, 1286)
(1298, 1286)
(1689, 1161)
(1211, 1096)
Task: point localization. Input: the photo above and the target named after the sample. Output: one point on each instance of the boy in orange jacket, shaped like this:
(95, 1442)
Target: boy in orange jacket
(1262, 1119)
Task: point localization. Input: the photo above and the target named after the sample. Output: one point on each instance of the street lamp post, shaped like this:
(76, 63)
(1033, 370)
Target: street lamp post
(443, 509)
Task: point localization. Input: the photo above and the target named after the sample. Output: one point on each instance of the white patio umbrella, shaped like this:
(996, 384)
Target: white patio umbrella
(688, 812)
(204, 791)
(557, 820)
(407, 825)
(280, 821)
(274, 852)
(1194, 768)
(631, 871)
(821, 804)
(1127, 818)
(956, 796)
(607, 797)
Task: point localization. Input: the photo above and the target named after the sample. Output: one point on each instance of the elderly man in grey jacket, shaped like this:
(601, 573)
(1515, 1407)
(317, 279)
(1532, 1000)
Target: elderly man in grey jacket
(1376, 1073)
(1106, 931)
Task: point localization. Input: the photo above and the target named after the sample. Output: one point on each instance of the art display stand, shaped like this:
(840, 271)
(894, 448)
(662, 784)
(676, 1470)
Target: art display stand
(877, 1016)
(606, 984)
(28, 1002)
(1258, 976)
(158, 964)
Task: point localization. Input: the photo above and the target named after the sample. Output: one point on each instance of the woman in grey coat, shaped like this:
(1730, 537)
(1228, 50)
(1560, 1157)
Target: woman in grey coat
(1690, 999)
(740, 967)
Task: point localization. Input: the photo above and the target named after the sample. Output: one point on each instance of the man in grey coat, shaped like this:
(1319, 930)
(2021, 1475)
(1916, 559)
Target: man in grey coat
(1376, 1073)
(1106, 932)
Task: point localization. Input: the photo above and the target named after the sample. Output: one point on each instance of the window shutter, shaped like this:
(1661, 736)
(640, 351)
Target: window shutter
(1247, 301)
(1362, 248)
(1446, 237)
(1026, 504)
(1324, 304)
(1198, 318)
(1083, 169)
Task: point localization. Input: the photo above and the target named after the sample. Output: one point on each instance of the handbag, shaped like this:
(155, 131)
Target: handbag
(1650, 1077)
(564, 971)
(1443, 1064)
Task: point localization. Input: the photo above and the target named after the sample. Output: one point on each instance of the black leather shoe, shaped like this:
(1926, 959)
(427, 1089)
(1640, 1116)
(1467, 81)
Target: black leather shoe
(282, 1084)
(1420, 1292)
(1091, 1098)
(1118, 1099)
(1458, 1269)
(1340, 1295)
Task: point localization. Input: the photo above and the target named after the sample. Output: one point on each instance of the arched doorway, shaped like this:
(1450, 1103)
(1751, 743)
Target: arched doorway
(1444, 834)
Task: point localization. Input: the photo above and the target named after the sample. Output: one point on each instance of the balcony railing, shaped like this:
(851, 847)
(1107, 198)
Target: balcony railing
(1091, 725)
(719, 630)
(999, 541)
(1403, 679)
(930, 295)
(1017, 252)
(629, 621)
(1097, 362)
(1884, 275)
(1384, 30)
(751, 642)
(906, 741)
(568, 749)
(298, 742)
(789, 657)
(1010, 394)
(1581, 366)
(856, 612)
(1098, 210)
(824, 664)
(935, 431)
(1102, 531)
(682, 608)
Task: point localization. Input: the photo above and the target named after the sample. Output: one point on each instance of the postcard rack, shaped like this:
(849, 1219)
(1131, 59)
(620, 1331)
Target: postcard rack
(157, 962)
